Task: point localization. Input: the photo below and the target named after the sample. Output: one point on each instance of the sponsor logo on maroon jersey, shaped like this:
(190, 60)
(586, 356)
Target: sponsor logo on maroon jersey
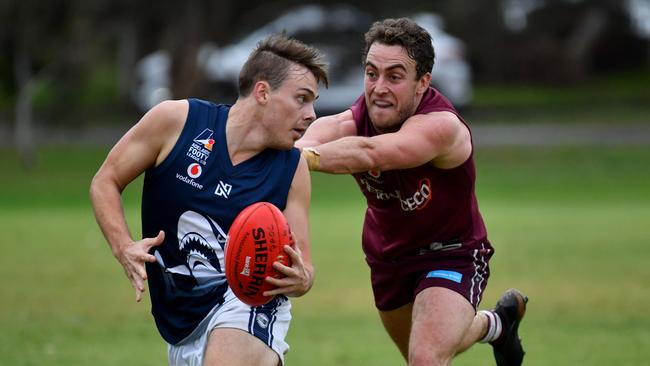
(419, 199)
(416, 201)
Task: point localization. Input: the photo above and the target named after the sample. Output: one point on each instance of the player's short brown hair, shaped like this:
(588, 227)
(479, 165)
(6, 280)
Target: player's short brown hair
(406, 33)
(272, 59)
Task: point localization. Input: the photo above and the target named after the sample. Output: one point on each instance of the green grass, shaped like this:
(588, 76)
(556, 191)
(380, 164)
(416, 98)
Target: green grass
(620, 98)
(621, 87)
(568, 225)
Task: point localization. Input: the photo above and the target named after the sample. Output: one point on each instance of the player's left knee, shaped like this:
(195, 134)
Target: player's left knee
(421, 356)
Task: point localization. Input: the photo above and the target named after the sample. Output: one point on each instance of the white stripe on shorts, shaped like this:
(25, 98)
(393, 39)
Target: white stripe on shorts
(480, 265)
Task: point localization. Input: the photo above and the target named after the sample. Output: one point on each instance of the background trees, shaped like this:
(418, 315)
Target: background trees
(71, 62)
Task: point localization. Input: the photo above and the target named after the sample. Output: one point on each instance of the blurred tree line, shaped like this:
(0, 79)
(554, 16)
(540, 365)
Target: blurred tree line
(72, 62)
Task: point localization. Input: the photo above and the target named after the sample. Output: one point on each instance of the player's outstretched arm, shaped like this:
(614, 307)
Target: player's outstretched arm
(140, 148)
(328, 128)
(300, 276)
(438, 137)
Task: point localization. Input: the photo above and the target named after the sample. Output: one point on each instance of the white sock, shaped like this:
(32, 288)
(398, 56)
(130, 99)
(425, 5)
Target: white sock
(494, 326)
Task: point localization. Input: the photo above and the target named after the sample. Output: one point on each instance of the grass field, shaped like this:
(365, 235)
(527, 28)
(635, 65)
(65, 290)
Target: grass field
(569, 226)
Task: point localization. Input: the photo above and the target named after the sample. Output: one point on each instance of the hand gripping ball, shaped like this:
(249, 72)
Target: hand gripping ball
(256, 239)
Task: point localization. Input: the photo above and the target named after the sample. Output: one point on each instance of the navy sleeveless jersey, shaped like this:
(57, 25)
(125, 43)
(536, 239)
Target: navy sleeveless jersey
(194, 195)
(418, 208)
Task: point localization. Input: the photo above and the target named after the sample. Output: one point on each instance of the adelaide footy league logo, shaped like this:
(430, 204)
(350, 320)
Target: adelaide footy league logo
(202, 146)
(207, 143)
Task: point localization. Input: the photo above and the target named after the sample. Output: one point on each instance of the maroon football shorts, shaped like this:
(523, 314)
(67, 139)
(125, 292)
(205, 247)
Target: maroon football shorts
(464, 270)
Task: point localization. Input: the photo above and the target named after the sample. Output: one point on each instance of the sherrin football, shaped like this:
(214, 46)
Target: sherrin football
(256, 239)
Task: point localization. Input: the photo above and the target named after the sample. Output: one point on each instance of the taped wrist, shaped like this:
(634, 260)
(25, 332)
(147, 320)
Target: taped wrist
(312, 156)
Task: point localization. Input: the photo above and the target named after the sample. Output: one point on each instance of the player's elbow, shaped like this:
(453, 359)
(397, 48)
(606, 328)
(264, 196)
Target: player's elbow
(95, 189)
(101, 185)
(371, 157)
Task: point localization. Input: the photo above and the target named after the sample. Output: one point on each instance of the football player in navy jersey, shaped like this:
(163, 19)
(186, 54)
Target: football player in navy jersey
(203, 164)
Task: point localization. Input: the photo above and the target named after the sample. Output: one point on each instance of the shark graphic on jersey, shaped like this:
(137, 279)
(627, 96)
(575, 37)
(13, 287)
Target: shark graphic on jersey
(201, 242)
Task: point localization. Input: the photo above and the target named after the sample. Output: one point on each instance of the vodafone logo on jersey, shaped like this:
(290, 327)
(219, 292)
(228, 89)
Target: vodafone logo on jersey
(194, 170)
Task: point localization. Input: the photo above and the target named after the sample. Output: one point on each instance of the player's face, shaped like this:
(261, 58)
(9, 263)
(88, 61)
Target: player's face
(291, 107)
(391, 89)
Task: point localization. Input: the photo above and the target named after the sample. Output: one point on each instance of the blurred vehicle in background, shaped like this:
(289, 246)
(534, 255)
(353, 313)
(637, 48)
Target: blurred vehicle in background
(451, 74)
(338, 32)
(639, 11)
(516, 12)
(152, 80)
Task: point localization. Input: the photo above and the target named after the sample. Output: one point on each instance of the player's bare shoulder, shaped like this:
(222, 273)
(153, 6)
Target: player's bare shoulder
(442, 126)
(446, 132)
(168, 116)
(163, 125)
(443, 122)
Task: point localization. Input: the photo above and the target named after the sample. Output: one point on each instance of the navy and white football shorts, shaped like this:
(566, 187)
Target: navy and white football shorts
(269, 323)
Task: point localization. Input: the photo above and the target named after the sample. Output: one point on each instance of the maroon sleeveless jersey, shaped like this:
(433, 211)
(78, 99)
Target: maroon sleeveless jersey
(422, 208)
